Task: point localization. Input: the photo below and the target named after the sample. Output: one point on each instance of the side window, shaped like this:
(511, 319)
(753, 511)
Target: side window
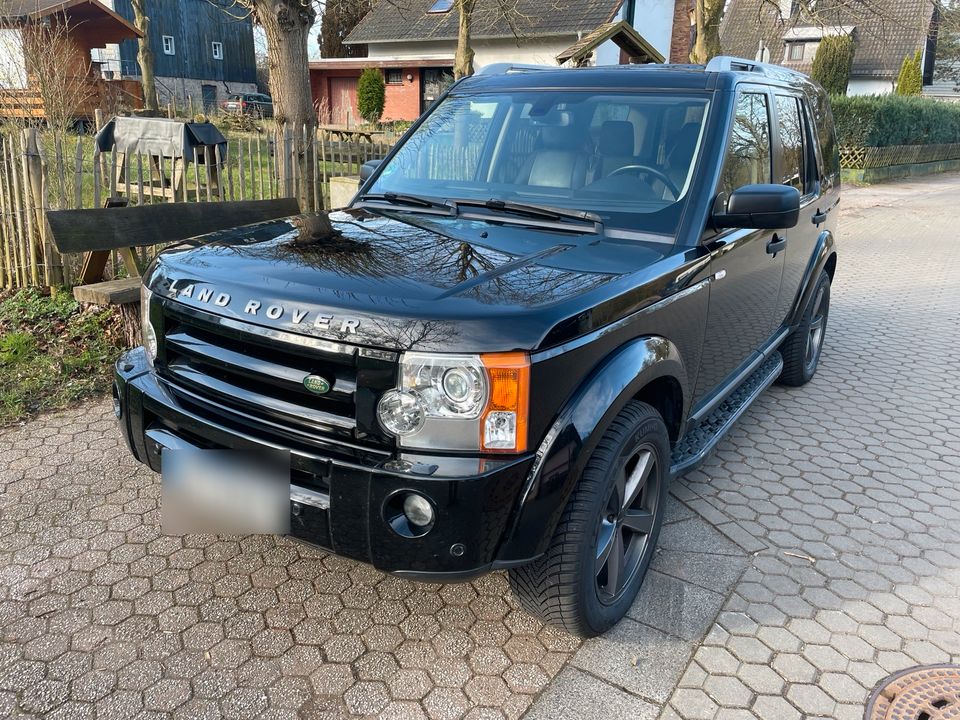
(790, 128)
(827, 136)
(748, 153)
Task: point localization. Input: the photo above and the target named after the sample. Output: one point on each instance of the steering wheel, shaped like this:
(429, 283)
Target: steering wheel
(647, 170)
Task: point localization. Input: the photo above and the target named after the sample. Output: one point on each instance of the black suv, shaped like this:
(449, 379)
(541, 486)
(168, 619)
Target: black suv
(558, 290)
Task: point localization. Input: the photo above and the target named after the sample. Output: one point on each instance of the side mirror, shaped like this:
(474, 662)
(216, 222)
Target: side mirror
(366, 170)
(764, 207)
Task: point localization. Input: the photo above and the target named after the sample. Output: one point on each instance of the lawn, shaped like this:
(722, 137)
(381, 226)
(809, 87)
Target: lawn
(53, 352)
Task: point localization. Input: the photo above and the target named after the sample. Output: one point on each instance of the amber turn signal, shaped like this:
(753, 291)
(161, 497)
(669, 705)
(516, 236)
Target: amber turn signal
(503, 426)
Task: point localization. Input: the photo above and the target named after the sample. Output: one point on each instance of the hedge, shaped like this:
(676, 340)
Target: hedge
(884, 120)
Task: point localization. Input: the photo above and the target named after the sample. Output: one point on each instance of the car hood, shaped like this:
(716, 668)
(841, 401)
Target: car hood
(399, 280)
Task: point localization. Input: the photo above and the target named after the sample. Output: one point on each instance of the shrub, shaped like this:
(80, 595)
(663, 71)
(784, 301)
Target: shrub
(371, 95)
(882, 120)
(833, 62)
(910, 79)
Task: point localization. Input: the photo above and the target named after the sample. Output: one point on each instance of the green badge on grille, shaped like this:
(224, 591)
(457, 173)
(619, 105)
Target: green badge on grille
(316, 384)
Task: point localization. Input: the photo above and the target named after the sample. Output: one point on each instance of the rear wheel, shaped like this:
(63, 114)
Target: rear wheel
(602, 547)
(801, 351)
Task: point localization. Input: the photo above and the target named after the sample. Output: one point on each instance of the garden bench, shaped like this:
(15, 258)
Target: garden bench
(121, 228)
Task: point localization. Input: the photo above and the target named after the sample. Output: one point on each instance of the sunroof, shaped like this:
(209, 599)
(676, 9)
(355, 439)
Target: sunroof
(441, 6)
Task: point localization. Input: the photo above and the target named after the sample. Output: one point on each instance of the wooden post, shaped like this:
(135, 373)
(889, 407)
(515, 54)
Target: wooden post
(5, 234)
(32, 185)
(240, 164)
(52, 262)
(253, 192)
(259, 171)
(78, 175)
(17, 206)
(196, 174)
(207, 162)
(229, 171)
(288, 189)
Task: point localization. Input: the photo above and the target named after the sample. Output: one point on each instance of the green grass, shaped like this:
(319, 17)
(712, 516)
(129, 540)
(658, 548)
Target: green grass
(53, 352)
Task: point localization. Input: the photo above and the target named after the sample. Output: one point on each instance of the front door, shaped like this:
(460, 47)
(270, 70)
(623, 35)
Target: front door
(743, 296)
(433, 82)
(209, 97)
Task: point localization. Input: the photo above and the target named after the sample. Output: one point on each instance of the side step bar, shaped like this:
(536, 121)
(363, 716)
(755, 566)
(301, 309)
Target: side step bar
(697, 443)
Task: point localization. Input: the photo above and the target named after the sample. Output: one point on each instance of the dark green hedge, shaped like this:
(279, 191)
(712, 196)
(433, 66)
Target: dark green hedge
(882, 120)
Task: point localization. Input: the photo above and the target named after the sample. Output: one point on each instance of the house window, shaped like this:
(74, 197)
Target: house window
(394, 76)
(441, 6)
(795, 51)
(168, 47)
(217, 51)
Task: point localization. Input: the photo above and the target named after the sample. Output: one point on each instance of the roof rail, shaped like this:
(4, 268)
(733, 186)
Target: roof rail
(726, 63)
(508, 68)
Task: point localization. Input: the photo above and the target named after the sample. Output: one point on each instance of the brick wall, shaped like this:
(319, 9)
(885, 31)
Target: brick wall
(680, 37)
(403, 99)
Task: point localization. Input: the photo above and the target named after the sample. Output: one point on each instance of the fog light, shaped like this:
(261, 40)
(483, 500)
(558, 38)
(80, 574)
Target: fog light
(117, 409)
(418, 510)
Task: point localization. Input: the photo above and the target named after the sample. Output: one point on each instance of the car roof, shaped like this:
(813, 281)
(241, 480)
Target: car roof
(721, 73)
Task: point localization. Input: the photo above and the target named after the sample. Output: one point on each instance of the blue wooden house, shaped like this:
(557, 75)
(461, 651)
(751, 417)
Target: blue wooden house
(203, 50)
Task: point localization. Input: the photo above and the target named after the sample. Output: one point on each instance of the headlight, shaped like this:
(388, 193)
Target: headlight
(459, 402)
(149, 335)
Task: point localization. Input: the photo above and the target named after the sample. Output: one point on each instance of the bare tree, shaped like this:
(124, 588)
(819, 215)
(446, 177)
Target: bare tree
(151, 102)
(43, 73)
(287, 24)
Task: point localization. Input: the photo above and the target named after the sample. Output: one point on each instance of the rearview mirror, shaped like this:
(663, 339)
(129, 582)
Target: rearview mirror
(764, 207)
(366, 170)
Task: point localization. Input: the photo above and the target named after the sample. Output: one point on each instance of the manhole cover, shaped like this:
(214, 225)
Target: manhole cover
(928, 692)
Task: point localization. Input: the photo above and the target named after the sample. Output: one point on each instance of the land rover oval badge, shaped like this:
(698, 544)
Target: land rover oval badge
(316, 384)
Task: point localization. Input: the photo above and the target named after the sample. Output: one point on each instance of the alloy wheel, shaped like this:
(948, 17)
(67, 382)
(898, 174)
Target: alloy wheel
(628, 519)
(818, 322)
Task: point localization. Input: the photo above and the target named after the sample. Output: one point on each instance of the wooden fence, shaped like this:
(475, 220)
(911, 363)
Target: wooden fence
(40, 172)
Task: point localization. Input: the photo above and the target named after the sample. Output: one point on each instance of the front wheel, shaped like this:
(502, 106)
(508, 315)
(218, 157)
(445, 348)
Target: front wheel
(603, 544)
(801, 351)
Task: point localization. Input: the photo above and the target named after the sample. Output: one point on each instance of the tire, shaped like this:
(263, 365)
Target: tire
(801, 350)
(570, 585)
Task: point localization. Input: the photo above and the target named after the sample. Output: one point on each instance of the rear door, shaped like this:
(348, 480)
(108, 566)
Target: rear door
(796, 165)
(743, 296)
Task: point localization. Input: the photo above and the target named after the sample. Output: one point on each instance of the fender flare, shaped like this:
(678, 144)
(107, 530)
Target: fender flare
(826, 246)
(576, 431)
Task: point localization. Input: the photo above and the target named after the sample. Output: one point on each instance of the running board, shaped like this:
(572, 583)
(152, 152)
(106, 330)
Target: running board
(697, 443)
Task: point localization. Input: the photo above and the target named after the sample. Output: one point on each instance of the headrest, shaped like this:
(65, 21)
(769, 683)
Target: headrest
(616, 138)
(559, 137)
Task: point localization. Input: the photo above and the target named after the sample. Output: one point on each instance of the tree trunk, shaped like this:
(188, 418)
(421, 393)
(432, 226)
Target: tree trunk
(707, 16)
(463, 61)
(286, 24)
(141, 20)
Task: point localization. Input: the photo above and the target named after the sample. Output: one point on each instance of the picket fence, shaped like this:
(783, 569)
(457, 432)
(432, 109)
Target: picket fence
(40, 172)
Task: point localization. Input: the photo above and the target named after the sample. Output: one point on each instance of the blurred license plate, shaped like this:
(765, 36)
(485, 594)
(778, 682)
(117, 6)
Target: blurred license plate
(225, 492)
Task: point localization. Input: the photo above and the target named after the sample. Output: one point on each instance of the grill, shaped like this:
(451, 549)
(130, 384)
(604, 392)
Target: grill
(256, 373)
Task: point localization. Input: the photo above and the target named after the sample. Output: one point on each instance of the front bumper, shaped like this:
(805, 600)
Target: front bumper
(348, 488)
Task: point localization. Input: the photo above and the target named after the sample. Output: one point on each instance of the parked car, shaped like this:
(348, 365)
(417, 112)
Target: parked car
(558, 291)
(256, 104)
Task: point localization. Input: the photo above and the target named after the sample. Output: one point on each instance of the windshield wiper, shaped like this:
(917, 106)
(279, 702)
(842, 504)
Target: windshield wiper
(407, 200)
(546, 212)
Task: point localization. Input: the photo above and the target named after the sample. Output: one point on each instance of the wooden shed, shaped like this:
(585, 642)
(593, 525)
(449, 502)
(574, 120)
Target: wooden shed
(75, 28)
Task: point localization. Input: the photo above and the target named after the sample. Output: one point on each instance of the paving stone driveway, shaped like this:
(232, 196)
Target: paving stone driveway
(812, 555)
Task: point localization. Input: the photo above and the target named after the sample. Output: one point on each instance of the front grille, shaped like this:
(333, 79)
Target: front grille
(261, 376)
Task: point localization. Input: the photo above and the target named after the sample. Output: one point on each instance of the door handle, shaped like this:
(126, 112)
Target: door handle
(819, 216)
(776, 244)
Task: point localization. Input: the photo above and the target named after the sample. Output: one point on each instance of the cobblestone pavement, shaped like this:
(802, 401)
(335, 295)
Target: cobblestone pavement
(813, 554)
(845, 493)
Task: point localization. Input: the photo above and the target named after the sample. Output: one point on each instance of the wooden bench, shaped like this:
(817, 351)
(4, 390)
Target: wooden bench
(98, 232)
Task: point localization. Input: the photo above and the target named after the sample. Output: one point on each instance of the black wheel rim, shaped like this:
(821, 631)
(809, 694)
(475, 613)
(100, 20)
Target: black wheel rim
(818, 326)
(623, 538)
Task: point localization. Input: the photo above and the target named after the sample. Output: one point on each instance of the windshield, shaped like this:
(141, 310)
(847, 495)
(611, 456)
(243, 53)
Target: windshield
(628, 157)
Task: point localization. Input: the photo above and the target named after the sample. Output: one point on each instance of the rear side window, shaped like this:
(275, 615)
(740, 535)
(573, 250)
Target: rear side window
(823, 117)
(790, 129)
(747, 160)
